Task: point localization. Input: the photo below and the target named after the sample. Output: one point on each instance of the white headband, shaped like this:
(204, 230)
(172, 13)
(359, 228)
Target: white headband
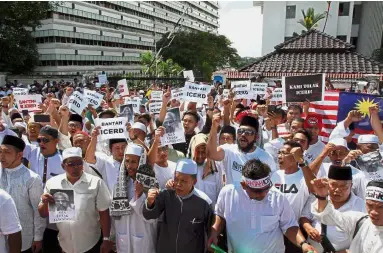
(258, 183)
(374, 193)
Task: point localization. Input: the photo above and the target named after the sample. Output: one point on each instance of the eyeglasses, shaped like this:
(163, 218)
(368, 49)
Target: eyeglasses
(74, 125)
(43, 140)
(246, 132)
(284, 153)
(74, 163)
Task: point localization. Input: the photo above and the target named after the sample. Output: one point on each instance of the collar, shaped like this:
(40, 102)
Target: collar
(48, 156)
(83, 178)
(188, 195)
(14, 169)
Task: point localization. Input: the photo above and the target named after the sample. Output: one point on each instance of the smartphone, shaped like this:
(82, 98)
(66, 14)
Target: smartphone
(271, 108)
(41, 118)
(25, 112)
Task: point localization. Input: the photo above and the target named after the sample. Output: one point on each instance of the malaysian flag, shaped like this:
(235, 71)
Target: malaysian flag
(328, 110)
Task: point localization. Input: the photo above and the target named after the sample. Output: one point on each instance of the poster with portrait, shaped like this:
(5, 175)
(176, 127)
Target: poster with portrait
(174, 131)
(126, 111)
(371, 165)
(63, 209)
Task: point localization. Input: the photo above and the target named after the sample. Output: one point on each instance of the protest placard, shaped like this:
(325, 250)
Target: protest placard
(278, 95)
(225, 94)
(113, 128)
(98, 85)
(155, 107)
(123, 88)
(174, 131)
(63, 209)
(102, 79)
(241, 89)
(94, 98)
(126, 111)
(197, 93)
(156, 95)
(135, 102)
(300, 88)
(177, 94)
(20, 91)
(259, 89)
(77, 102)
(189, 75)
(28, 102)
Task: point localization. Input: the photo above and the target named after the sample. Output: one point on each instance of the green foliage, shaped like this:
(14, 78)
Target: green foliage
(18, 50)
(244, 61)
(159, 67)
(310, 19)
(201, 52)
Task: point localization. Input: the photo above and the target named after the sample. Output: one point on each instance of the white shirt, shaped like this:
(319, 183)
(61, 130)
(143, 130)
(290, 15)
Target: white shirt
(210, 185)
(338, 238)
(369, 238)
(293, 186)
(9, 219)
(255, 226)
(108, 168)
(163, 174)
(314, 151)
(91, 196)
(235, 159)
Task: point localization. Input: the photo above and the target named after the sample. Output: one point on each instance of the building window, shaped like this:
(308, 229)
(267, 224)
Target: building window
(344, 8)
(354, 41)
(288, 38)
(357, 13)
(290, 11)
(342, 37)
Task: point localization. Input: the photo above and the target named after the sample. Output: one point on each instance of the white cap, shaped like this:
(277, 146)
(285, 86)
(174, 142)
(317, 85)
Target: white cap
(186, 166)
(133, 149)
(139, 125)
(72, 152)
(141, 91)
(21, 124)
(339, 142)
(368, 138)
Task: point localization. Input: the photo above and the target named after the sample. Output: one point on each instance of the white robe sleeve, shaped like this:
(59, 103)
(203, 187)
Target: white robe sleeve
(339, 131)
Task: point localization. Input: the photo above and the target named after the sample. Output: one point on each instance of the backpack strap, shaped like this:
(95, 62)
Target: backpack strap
(359, 224)
(96, 171)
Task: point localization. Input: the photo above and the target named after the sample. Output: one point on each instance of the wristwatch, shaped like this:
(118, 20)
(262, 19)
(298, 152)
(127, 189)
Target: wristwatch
(303, 164)
(303, 242)
(319, 197)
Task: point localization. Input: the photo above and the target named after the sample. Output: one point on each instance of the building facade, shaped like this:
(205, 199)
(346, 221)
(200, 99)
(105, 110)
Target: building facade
(91, 37)
(280, 20)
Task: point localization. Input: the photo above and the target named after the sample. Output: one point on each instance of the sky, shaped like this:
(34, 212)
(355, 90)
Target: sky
(241, 22)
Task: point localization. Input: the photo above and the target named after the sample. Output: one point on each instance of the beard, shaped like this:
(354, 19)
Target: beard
(247, 148)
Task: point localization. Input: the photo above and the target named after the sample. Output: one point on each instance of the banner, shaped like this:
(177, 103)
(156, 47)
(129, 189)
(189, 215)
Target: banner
(177, 94)
(20, 91)
(77, 103)
(242, 89)
(123, 88)
(156, 95)
(278, 95)
(135, 102)
(300, 88)
(259, 89)
(114, 128)
(94, 98)
(189, 75)
(102, 79)
(174, 131)
(126, 111)
(63, 209)
(196, 92)
(349, 101)
(155, 107)
(28, 102)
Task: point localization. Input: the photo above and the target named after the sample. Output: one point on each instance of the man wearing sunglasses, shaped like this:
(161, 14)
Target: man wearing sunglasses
(92, 201)
(256, 214)
(233, 156)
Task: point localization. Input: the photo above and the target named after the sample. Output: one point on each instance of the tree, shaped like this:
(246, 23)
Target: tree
(310, 19)
(159, 67)
(18, 50)
(244, 61)
(202, 52)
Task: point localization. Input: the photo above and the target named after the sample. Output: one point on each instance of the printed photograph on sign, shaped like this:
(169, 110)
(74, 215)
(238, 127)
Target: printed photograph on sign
(300, 88)
(174, 131)
(63, 209)
(126, 111)
(146, 176)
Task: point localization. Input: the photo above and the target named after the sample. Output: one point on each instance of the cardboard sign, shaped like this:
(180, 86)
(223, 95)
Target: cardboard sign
(64, 208)
(300, 88)
(174, 131)
(146, 176)
(225, 94)
(20, 91)
(197, 93)
(123, 88)
(114, 128)
(102, 79)
(28, 102)
(126, 111)
(189, 75)
(77, 103)
(155, 107)
(177, 94)
(278, 95)
(94, 98)
(156, 95)
(259, 89)
(242, 90)
(135, 102)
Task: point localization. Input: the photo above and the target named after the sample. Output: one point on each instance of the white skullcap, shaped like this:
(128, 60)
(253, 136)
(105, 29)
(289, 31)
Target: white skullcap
(339, 142)
(139, 125)
(72, 152)
(368, 138)
(133, 149)
(141, 91)
(21, 124)
(186, 166)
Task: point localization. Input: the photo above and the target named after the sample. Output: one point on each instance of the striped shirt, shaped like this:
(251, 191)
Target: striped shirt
(283, 130)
